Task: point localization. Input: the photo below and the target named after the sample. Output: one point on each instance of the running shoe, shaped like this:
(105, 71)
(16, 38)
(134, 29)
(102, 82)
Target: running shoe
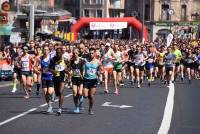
(149, 84)
(26, 97)
(138, 86)
(14, 90)
(59, 111)
(90, 112)
(189, 81)
(121, 83)
(50, 110)
(106, 91)
(181, 78)
(76, 110)
(37, 92)
(116, 92)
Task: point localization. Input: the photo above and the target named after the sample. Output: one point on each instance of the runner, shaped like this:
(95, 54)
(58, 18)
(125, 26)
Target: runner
(150, 65)
(139, 61)
(16, 70)
(37, 69)
(117, 69)
(58, 68)
(178, 55)
(190, 60)
(169, 62)
(47, 78)
(76, 67)
(161, 63)
(26, 63)
(90, 78)
(107, 58)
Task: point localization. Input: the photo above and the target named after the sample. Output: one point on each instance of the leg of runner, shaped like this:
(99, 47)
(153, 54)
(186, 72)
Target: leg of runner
(76, 98)
(182, 71)
(91, 95)
(137, 72)
(24, 80)
(132, 74)
(141, 74)
(115, 82)
(189, 74)
(61, 97)
(14, 82)
(106, 81)
(38, 83)
(29, 83)
(48, 91)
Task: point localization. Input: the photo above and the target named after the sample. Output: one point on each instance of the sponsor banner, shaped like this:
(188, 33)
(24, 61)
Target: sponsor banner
(107, 25)
(169, 39)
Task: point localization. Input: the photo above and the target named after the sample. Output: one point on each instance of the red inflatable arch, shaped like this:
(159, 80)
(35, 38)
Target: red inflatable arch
(83, 22)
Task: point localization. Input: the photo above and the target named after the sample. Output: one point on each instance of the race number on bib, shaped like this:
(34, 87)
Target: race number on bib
(59, 68)
(76, 72)
(25, 64)
(91, 71)
(45, 70)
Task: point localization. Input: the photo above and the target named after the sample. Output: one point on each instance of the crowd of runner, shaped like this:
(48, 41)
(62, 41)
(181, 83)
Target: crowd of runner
(53, 66)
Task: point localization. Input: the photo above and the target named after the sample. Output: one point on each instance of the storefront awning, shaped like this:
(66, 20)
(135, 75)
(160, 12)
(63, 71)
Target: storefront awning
(57, 15)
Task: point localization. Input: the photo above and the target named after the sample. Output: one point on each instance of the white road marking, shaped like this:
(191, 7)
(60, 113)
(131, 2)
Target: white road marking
(167, 117)
(27, 112)
(6, 85)
(107, 104)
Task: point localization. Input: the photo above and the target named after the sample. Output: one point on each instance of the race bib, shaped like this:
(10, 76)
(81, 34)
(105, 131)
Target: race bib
(76, 72)
(45, 70)
(59, 68)
(91, 71)
(168, 63)
(25, 64)
(150, 60)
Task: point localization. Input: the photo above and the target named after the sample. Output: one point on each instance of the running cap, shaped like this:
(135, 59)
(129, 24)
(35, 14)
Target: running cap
(108, 44)
(25, 47)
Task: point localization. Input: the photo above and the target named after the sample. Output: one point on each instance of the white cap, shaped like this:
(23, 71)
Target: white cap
(108, 44)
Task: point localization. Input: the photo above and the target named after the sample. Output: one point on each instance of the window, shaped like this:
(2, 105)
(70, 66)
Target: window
(93, 13)
(164, 12)
(86, 2)
(115, 13)
(86, 13)
(93, 2)
(99, 1)
(183, 12)
(99, 13)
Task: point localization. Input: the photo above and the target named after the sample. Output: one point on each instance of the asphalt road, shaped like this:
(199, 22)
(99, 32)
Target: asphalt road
(144, 116)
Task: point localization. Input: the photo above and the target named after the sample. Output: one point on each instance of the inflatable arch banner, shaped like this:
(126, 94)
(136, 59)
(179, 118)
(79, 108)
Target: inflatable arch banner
(83, 22)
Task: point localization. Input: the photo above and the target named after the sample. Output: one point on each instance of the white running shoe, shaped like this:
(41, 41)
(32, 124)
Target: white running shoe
(14, 90)
(50, 110)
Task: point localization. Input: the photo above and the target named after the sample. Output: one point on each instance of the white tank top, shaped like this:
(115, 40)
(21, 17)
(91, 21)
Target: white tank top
(25, 63)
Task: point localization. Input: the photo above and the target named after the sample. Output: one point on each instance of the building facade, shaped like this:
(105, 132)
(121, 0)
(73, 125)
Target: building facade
(181, 17)
(102, 8)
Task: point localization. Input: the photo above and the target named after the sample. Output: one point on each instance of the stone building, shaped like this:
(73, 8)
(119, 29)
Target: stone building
(164, 16)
